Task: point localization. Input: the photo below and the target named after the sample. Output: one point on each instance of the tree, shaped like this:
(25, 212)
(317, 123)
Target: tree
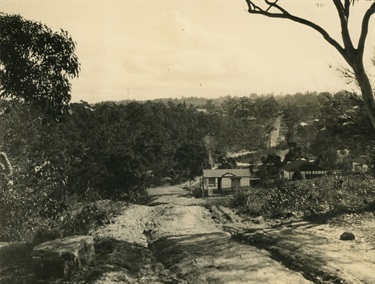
(295, 152)
(343, 128)
(36, 64)
(271, 166)
(190, 160)
(227, 163)
(352, 54)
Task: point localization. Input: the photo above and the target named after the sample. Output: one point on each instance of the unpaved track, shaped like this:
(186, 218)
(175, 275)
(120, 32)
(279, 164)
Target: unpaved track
(178, 239)
(187, 246)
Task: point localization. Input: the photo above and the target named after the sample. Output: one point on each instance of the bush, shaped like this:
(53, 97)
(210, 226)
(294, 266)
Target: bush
(87, 218)
(309, 197)
(18, 217)
(45, 234)
(250, 200)
(41, 216)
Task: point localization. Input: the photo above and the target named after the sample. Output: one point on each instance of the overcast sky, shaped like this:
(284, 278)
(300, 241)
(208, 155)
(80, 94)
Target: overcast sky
(158, 49)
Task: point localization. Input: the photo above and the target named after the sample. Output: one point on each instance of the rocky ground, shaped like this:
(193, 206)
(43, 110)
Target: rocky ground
(180, 239)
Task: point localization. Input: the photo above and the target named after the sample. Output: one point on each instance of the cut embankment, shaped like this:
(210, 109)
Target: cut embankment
(175, 241)
(191, 243)
(216, 258)
(316, 251)
(179, 242)
(182, 244)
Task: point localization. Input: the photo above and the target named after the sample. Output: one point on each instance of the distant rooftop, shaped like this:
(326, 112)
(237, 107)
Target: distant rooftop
(302, 165)
(223, 172)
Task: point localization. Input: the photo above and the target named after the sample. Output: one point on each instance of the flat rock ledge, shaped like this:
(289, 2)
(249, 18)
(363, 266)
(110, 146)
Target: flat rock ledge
(62, 257)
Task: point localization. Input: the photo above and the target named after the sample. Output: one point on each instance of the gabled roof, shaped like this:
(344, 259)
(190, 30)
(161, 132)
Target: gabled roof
(302, 165)
(359, 161)
(226, 172)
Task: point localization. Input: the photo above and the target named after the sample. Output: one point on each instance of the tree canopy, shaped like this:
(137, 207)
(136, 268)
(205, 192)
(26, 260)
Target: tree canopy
(36, 63)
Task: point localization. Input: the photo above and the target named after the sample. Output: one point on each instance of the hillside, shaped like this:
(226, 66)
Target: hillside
(179, 239)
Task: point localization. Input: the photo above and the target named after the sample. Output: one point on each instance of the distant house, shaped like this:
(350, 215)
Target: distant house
(224, 179)
(302, 169)
(202, 110)
(359, 165)
(240, 165)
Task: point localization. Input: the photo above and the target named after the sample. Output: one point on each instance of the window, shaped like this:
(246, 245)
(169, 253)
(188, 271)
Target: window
(211, 181)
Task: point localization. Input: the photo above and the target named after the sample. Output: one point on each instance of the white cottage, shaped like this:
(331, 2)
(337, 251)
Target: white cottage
(224, 179)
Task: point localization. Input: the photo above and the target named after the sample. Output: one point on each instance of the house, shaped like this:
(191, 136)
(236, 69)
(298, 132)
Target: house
(225, 179)
(240, 165)
(302, 169)
(202, 110)
(359, 165)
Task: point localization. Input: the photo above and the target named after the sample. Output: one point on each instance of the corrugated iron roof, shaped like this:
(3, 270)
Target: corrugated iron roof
(302, 165)
(222, 172)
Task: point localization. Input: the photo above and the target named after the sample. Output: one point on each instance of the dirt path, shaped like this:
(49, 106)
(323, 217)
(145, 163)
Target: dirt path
(317, 251)
(178, 239)
(181, 243)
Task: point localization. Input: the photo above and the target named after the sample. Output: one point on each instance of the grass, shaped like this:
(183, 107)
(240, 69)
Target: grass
(16, 263)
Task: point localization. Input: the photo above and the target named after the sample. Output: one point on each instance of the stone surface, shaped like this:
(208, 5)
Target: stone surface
(347, 236)
(62, 257)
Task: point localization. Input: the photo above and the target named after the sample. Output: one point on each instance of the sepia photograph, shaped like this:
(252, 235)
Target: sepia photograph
(187, 141)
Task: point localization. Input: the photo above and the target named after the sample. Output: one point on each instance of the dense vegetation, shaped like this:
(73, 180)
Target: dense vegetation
(318, 198)
(104, 151)
(116, 150)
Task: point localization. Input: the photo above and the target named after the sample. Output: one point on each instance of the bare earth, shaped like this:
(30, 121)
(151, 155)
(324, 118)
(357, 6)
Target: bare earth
(179, 239)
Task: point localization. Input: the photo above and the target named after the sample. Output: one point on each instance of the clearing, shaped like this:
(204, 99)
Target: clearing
(180, 239)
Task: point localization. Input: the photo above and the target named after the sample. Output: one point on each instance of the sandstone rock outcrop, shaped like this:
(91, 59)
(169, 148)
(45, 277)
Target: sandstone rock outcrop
(62, 257)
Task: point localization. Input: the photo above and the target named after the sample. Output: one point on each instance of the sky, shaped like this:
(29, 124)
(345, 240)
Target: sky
(151, 49)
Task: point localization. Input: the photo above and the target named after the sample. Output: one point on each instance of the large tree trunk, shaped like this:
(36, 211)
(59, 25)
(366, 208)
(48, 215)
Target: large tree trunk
(366, 89)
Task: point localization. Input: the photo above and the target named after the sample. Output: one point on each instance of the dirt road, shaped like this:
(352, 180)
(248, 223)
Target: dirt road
(179, 239)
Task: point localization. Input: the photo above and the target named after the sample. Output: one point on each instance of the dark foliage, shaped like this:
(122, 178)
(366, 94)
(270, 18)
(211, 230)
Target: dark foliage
(36, 64)
(115, 151)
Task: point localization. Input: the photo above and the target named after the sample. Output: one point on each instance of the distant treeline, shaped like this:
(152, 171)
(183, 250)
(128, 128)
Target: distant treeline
(118, 149)
(298, 99)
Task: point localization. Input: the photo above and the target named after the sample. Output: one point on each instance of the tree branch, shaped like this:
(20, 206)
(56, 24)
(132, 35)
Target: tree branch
(283, 14)
(343, 11)
(364, 30)
(347, 8)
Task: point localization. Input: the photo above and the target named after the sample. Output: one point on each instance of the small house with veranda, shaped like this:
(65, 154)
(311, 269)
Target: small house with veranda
(225, 179)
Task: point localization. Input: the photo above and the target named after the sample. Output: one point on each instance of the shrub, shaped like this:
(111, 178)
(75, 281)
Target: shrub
(17, 216)
(45, 215)
(45, 234)
(309, 197)
(250, 200)
(88, 216)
